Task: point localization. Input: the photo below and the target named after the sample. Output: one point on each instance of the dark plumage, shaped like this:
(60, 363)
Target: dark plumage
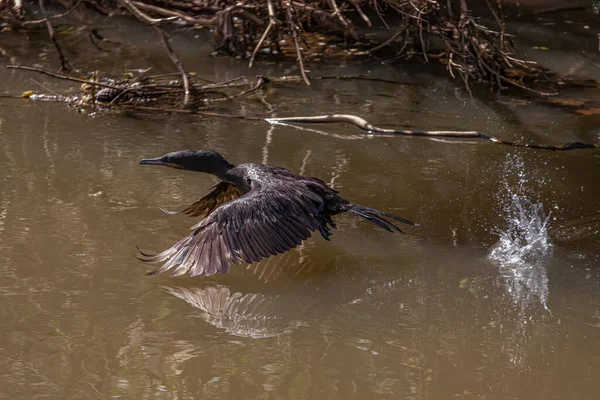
(256, 211)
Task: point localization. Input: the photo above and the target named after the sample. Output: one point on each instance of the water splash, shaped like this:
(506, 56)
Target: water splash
(524, 246)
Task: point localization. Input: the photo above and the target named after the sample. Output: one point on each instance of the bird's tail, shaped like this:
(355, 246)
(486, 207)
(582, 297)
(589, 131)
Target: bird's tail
(377, 217)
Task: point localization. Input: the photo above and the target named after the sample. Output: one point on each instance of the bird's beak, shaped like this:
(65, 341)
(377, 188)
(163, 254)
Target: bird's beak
(153, 161)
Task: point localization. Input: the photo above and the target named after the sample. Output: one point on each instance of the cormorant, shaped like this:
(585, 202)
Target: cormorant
(256, 211)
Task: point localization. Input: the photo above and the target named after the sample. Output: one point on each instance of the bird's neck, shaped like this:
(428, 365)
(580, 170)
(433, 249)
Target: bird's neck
(221, 170)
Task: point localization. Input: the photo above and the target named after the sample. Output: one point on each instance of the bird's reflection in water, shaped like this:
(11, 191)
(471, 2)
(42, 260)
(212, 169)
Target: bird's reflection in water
(253, 315)
(296, 264)
(249, 308)
(310, 264)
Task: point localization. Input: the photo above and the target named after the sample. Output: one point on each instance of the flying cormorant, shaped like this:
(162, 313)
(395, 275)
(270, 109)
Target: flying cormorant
(256, 211)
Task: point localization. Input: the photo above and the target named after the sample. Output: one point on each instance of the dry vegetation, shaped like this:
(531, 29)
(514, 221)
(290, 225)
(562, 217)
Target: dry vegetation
(445, 32)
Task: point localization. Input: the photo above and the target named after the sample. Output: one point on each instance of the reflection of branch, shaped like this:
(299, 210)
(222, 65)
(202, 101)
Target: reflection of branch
(246, 315)
(64, 63)
(44, 87)
(277, 121)
(185, 111)
(366, 126)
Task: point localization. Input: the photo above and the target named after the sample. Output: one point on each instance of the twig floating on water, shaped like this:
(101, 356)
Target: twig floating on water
(366, 126)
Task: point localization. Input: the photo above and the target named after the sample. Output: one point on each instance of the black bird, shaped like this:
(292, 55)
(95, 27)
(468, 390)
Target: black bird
(256, 211)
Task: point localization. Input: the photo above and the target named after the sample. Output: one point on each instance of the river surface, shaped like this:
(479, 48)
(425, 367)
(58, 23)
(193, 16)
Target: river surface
(495, 295)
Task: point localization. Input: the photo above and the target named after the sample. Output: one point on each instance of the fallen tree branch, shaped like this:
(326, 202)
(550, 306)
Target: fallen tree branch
(366, 126)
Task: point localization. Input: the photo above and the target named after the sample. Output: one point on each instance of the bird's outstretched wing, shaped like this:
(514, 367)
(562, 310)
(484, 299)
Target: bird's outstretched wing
(221, 193)
(257, 225)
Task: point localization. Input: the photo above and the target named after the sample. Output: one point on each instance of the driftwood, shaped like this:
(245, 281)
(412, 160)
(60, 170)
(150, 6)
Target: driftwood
(366, 126)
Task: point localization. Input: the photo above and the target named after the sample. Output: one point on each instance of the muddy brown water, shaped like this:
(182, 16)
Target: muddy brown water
(369, 315)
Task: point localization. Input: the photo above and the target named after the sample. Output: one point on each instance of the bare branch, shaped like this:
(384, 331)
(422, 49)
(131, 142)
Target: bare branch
(184, 75)
(208, 22)
(154, 22)
(272, 22)
(292, 26)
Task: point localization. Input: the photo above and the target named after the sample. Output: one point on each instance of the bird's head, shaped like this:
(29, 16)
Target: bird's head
(192, 160)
